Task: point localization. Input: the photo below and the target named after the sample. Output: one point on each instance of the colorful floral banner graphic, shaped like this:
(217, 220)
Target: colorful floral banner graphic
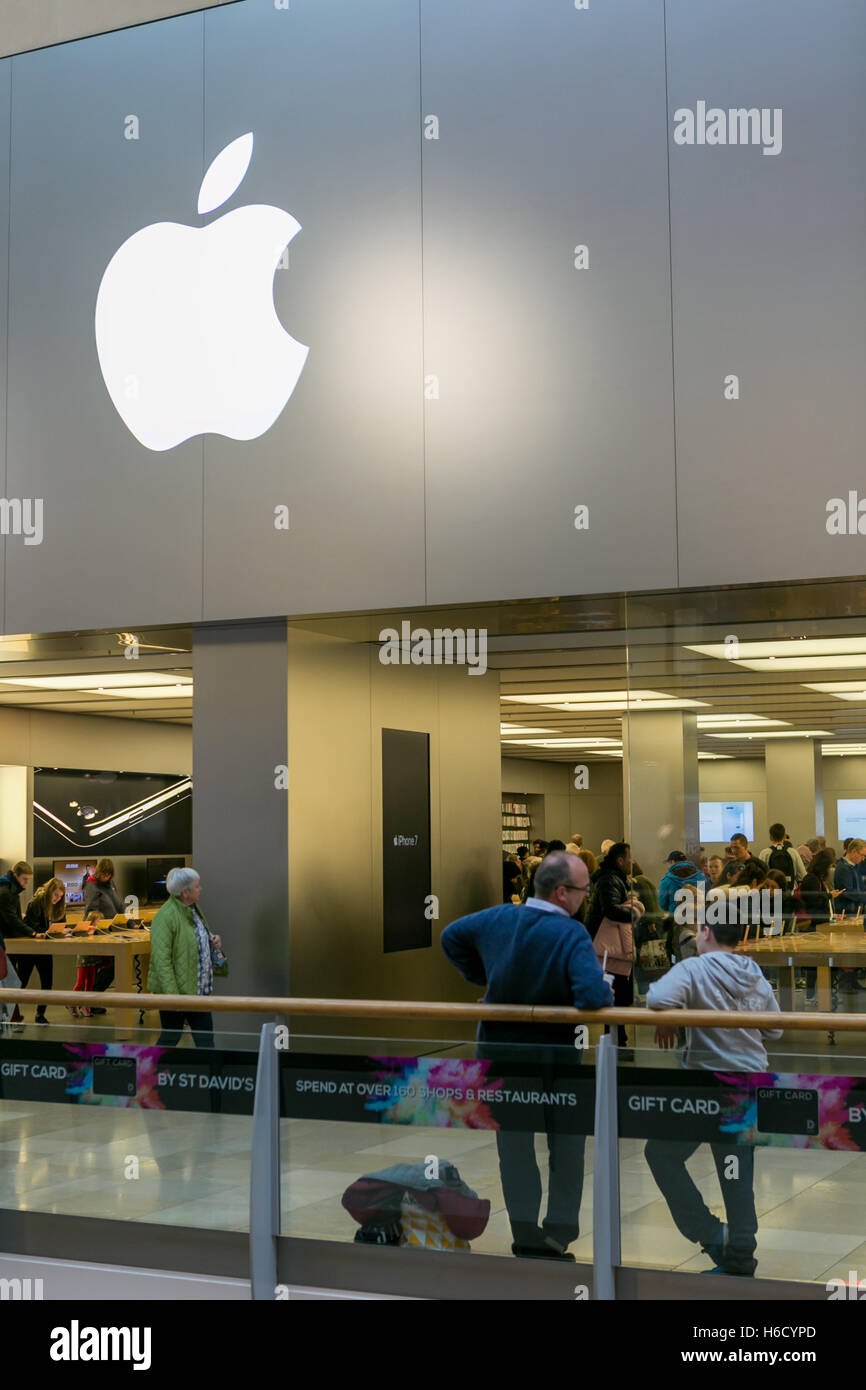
(444, 1093)
(795, 1110)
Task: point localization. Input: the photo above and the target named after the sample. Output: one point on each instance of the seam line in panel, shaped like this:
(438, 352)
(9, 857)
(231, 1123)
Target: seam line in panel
(203, 167)
(424, 519)
(6, 347)
(671, 285)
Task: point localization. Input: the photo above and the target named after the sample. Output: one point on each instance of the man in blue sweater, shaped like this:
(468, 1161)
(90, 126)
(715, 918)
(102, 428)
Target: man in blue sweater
(846, 878)
(535, 954)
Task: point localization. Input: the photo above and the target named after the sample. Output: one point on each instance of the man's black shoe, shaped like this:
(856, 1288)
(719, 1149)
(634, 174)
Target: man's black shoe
(98, 1011)
(541, 1252)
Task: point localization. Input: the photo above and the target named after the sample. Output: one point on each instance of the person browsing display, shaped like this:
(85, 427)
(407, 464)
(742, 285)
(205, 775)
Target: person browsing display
(45, 908)
(12, 884)
(737, 857)
(101, 896)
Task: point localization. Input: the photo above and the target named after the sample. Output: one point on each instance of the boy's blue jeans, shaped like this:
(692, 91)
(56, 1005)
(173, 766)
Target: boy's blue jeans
(692, 1216)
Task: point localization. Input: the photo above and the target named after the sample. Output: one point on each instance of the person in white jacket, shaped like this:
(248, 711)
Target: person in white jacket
(716, 978)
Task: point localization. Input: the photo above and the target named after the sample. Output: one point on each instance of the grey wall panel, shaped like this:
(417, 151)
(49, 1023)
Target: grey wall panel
(122, 524)
(555, 383)
(5, 95)
(330, 92)
(240, 821)
(769, 280)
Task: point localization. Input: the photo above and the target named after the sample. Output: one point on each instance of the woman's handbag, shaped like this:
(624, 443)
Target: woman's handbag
(616, 939)
(218, 960)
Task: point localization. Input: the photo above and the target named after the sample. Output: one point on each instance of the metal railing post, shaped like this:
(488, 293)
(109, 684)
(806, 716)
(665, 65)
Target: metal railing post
(606, 1252)
(265, 1169)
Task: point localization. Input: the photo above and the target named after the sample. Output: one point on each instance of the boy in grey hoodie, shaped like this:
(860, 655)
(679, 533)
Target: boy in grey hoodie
(714, 979)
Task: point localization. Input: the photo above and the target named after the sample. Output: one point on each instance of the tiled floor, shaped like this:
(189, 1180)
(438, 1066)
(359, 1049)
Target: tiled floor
(193, 1170)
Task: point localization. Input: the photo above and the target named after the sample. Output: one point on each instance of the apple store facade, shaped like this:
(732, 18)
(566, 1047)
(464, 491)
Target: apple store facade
(429, 428)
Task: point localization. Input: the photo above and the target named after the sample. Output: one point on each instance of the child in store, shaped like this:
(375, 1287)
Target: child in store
(716, 978)
(86, 976)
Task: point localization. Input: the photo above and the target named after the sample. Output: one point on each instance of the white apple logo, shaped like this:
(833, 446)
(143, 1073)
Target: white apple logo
(187, 334)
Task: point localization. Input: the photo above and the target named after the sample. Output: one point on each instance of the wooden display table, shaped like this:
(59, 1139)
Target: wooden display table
(825, 950)
(124, 945)
(146, 914)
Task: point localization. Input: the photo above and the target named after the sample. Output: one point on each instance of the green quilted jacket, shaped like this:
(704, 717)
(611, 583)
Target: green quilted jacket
(174, 950)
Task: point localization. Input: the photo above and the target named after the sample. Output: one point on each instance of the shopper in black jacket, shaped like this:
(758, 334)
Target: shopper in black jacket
(100, 891)
(741, 858)
(817, 898)
(12, 885)
(613, 898)
(611, 890)
(44, 908)
(101, 895)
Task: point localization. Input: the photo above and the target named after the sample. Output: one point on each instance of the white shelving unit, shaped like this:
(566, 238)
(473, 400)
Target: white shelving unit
(516, 825)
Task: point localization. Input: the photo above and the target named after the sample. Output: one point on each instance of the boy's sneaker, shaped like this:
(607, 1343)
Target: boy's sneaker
(718, 1249)
(725, 1260)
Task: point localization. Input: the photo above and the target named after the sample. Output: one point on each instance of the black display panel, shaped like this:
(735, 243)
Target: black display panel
(406, 840)
(110, 813)
(157, 871)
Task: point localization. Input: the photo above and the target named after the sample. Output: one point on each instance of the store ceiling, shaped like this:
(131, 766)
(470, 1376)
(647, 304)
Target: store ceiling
(601, 655)
(90, 673)
(652, 667)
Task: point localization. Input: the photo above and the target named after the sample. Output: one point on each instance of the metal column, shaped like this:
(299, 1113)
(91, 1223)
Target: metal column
(265, 1170)
(606, 1253)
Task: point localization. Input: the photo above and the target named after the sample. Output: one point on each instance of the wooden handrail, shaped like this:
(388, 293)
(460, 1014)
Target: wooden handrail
(452, 1013)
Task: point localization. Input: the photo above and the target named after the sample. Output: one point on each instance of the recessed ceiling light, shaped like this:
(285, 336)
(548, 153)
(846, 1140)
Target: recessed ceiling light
(524, 729)
(782, 646)
(610, 744)
(598, 700)
(840, 690)
(790, 654)
(779, 733)
(580, 696)
(103, 680)
(725, 721)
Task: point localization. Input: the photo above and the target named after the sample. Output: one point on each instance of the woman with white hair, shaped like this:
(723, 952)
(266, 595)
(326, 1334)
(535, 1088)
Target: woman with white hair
(181, 959)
